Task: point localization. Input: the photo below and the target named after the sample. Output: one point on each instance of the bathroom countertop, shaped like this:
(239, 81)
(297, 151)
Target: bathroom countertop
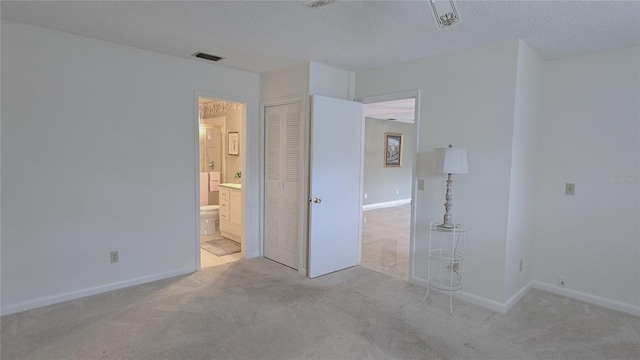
(232, 185)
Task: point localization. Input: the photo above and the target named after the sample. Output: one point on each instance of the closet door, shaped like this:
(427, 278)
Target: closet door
(283, 169)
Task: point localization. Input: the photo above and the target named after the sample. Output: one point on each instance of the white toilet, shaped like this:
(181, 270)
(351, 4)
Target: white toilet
(209, 214)
(209, 220)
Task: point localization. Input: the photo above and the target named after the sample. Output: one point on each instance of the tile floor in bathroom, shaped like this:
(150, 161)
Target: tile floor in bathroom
(385, 240)
(208, 259)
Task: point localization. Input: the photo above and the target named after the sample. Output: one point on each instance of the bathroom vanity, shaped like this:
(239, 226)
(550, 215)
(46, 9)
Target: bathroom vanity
(231, 211)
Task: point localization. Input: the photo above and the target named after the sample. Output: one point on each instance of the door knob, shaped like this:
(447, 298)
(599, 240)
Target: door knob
(316, 200)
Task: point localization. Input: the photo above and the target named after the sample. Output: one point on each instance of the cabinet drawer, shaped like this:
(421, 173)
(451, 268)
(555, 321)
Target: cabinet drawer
(224, 207)
(224, 217)
(224, 194)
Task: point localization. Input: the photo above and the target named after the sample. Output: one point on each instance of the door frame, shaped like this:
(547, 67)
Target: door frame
(248, 184)
(303, 99)
(414, 179)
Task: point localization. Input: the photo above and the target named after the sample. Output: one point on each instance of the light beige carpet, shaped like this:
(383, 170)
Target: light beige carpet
(257, 309)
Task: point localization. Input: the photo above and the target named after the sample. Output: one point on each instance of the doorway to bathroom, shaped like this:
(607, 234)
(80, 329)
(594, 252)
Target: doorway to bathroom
(221, 155)
(389, 163)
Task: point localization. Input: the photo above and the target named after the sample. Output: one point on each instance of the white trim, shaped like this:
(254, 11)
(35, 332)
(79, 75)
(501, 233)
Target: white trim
(502, 308)
(197, 178)
(361, 185)
(32, 304)
(516, 297)
(472, 298)
(588, 298)
(484, 302)
(391, 97)
(386, 204)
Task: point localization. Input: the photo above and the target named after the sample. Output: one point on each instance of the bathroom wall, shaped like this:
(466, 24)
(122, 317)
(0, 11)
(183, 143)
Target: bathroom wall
(210, 147)
(233, 123)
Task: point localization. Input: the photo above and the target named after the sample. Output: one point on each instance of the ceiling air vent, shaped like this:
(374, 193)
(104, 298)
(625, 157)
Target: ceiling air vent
(202, 55)
(318, 3)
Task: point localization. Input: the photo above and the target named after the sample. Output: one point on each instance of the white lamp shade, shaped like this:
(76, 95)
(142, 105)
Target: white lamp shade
(452, 160)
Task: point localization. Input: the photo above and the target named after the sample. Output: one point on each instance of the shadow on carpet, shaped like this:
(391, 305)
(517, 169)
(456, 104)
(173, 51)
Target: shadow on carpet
(221, 247)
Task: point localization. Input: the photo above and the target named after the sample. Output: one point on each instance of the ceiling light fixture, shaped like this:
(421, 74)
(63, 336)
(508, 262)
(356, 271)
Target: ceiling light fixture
(318, 3)
(445, 12)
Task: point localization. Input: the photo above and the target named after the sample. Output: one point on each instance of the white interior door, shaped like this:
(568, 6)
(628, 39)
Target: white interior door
(335, 185)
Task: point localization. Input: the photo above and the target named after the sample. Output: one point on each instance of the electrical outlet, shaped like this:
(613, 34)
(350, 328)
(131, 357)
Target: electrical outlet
(114, 256)
(397, 192)
(569, 189)
(365, 195)
(421, 184)
(562, 281)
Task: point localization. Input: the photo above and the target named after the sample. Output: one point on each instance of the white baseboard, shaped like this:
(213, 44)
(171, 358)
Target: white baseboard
(506, 306)
(386, 204)
(516, 297)
(472, 298)
(588, 298)
(418, 281)
(484, 302)
(32, 304)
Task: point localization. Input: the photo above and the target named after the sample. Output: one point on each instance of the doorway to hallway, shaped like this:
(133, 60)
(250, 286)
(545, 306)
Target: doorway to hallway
(389, 164)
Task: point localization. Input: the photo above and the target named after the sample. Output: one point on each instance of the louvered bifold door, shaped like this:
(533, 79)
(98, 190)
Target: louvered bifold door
(283, 169)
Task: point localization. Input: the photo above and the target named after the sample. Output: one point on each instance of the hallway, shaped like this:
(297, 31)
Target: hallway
(385, 240)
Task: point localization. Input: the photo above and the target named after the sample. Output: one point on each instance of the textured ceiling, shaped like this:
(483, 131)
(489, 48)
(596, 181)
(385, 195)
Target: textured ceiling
(262, 35)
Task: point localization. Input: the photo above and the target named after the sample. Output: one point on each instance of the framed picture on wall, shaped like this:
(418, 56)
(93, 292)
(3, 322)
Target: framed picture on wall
(234, 143)
(392, 149)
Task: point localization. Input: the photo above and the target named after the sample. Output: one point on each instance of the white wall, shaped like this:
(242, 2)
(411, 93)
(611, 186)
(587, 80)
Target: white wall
(98, 153)
(286, 82)
(329, 81)
(311, 77)
(590, 136)
(522, 184)
(467, 99)
(532, 126)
